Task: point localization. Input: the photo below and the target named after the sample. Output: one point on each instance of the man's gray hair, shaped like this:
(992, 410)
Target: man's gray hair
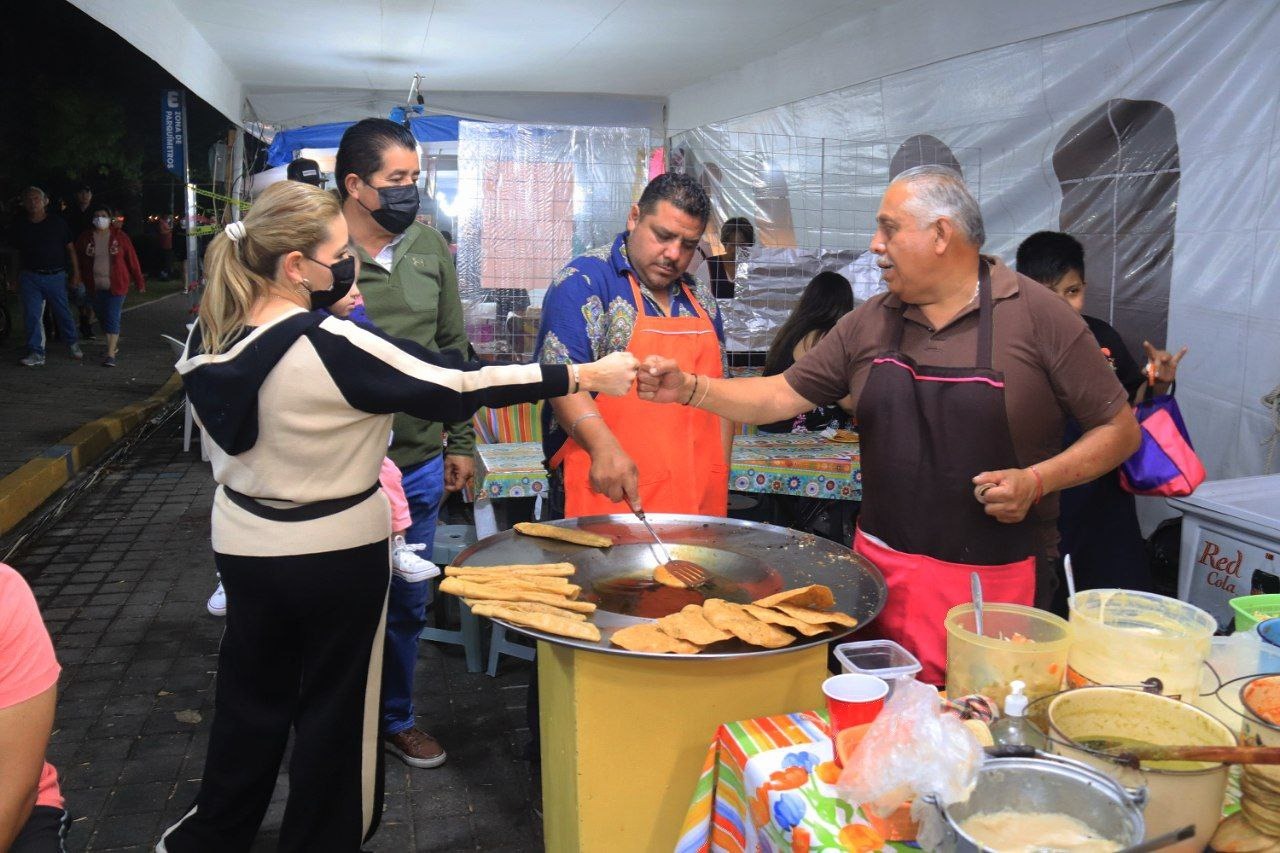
(939, 191)
(35, 189)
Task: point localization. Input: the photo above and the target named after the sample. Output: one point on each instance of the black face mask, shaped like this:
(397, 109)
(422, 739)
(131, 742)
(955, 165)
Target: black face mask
(344, 275)
(398, 206)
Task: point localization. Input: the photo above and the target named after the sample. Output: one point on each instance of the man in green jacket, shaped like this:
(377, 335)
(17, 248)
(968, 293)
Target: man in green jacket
(410, 290)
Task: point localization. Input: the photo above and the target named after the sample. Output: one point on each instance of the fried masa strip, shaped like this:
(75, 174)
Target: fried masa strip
(774, 617)
(813, 597)
(817, 617)
(564, 534)
(648, 637)
(555, 586)
(499, 592)
(559, 625)
(562, 570)
(529, 607)
(731, 617)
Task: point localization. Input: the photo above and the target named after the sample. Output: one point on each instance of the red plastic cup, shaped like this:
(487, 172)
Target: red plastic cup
(853, 700)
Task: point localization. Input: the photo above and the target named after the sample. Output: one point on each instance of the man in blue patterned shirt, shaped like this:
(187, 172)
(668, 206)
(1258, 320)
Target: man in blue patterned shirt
(636, 296)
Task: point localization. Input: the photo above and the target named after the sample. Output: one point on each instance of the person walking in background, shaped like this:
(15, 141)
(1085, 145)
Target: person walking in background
(45, 243)
(78, 214)
(106, 254)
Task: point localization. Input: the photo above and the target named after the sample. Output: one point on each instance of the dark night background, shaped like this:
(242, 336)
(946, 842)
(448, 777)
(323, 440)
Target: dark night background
(82, 105)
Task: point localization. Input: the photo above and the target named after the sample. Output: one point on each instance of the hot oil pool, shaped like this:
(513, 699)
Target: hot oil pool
(734, 577)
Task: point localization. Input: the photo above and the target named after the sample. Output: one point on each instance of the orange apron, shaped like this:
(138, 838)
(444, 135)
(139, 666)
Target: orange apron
(677, 449)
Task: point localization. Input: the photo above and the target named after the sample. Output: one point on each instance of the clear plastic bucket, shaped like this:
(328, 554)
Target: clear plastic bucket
(1017, 642)
(1126, 638)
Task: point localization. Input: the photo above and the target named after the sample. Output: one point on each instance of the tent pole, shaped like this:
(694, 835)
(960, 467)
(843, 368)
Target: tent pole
(193, 243)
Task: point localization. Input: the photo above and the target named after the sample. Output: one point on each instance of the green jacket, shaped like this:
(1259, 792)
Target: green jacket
(418, 300)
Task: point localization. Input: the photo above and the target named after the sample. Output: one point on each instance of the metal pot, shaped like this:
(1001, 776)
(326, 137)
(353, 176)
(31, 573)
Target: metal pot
(1042, 784)
(1175, 798)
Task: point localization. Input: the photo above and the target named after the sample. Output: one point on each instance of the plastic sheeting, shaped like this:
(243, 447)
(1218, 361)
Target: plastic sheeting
(530, 198)
(1152, 137)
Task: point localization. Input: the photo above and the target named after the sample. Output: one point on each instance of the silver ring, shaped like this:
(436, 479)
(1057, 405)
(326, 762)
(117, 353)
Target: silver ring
(983, 489)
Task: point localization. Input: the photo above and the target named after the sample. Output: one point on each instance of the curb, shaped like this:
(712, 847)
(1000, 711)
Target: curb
(32, 484)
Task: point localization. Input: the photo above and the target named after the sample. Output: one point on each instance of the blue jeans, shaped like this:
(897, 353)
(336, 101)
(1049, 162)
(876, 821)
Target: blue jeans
(36, 290)
(407, 602)
(108, 307)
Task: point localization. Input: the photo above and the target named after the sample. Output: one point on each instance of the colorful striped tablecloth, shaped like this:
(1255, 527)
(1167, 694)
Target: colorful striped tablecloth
(766, 786)
(799, 464)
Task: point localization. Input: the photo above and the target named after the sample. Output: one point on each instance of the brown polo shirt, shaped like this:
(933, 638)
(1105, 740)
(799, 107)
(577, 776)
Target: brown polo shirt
(1053, 369)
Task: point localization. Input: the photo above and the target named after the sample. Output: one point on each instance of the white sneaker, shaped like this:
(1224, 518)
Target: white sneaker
(77, 354)
(32, 360)
(218, 601)
(408, 565)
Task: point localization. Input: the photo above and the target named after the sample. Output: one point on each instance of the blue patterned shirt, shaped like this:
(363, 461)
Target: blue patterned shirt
(589, 312)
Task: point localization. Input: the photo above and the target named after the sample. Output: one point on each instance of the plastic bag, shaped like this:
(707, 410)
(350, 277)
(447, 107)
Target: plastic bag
(912, 750)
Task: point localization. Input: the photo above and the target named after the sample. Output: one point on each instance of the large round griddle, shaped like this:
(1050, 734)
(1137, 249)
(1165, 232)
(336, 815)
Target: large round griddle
(749, 561)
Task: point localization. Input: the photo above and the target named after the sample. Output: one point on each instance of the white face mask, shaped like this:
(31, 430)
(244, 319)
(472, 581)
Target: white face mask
(101, 222)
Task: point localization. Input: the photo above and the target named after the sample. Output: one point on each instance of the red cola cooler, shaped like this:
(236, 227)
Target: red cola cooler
(1230, 542)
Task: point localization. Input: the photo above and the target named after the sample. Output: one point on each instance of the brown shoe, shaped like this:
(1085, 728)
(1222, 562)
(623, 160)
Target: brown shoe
(416, 748)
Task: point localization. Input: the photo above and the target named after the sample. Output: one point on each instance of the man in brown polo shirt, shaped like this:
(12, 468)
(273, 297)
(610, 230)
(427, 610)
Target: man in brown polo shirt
(962, 378)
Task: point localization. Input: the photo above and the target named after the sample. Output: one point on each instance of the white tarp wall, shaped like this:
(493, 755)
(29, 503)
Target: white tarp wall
(1154, 138)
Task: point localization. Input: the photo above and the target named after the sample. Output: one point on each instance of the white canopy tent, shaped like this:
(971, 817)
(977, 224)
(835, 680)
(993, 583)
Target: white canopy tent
(562, 61)
(1013, 81)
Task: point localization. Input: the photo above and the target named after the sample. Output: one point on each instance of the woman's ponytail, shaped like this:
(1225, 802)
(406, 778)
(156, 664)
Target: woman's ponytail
(240, 263)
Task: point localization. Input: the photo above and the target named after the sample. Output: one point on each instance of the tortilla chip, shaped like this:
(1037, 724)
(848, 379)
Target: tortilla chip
(814, 597)
(500, 592)
(648, 637)
(529, 607)
(541, 622)
(817, 617)
(564, 534)
(691, 625)
(663, 576)
(563, 570)
(733, 618)
(773, 617)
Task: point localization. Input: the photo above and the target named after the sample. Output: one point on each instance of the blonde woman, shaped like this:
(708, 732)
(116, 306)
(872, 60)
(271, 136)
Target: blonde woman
(295, 408)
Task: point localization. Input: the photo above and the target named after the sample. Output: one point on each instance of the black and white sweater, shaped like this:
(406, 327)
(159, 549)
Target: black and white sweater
(299, 410)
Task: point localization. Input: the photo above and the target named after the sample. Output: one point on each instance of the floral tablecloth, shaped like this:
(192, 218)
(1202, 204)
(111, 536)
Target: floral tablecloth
(799, 464)
(766, 786)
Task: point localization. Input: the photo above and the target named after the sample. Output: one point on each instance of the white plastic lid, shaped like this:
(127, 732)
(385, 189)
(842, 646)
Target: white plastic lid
(1015, 704)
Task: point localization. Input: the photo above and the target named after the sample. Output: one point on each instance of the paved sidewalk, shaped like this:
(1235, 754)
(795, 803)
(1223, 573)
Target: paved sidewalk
(122, 581)
(44, 404)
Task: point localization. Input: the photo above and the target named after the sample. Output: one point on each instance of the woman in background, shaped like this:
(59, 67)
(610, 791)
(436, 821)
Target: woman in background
(826, 298)
(108, 265)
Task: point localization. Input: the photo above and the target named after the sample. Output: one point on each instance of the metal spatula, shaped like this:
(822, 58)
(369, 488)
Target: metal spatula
(688, 573)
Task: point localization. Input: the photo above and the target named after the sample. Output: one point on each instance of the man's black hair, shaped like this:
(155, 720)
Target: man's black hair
(680, 190)
(742, 226)
(1047, 256)
(360, 151)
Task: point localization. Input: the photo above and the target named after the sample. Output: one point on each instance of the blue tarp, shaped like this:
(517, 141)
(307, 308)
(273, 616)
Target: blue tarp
(287, 143)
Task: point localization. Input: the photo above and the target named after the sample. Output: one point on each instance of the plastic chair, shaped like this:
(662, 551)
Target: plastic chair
(500, 645)
(179, 348)
(451, 540)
